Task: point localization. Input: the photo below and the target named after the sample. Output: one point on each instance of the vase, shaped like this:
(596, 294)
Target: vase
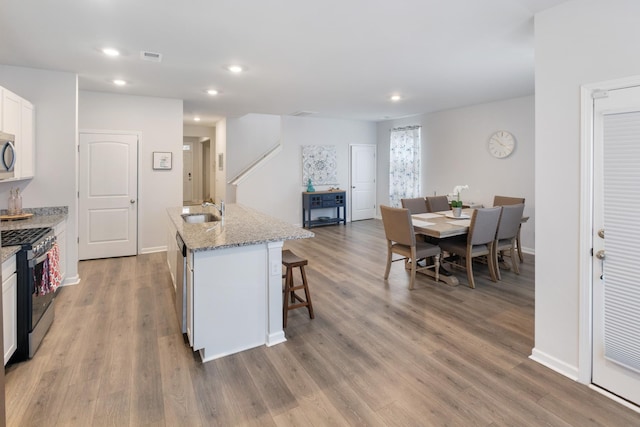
(310, 188)
(457, 212)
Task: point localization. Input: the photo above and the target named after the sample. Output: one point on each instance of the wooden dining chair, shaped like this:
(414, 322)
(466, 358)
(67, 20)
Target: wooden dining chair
(437, 203)
(479, 242)
(401, 240)
(505, 201)
(506, 235)
(415, 205)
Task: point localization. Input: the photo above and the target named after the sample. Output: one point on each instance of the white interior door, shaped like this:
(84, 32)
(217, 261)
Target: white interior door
(616, 244)
(108, 195)
(187, 172)
(363, 182)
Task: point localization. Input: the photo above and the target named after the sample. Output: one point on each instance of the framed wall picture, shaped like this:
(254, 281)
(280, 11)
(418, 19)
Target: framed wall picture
(319, 164)
(161, 160)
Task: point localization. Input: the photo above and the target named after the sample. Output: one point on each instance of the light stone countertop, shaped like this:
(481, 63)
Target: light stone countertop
(241, 226)
(42, 217)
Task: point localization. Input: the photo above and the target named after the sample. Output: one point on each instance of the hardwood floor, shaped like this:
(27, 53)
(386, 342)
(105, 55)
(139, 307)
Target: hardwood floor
(375, 354)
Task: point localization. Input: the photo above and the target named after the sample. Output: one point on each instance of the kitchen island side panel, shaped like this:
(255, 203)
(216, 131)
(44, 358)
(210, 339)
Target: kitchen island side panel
(230, 300)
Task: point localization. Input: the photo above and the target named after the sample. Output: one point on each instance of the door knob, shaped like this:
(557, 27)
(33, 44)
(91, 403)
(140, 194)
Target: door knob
(132, 201)
(601, 233)
(600, 254)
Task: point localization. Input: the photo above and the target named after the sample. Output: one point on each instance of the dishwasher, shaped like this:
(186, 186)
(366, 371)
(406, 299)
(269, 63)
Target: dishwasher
(181, 294)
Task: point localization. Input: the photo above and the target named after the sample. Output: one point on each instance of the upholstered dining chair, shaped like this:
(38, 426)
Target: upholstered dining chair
(480, 240)
(437, 203)
(505, 201)
(415, 205)
(507, 234)
(401, 240)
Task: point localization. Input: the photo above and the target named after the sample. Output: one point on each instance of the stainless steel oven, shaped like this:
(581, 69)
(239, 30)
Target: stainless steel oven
(35, 310)
(7, 155)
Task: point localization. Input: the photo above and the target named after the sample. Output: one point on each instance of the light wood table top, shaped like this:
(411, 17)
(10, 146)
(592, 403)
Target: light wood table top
(442, 224)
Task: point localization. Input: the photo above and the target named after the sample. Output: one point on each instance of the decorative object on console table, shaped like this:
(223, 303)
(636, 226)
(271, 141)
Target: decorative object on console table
(310, 188)
(322, 200)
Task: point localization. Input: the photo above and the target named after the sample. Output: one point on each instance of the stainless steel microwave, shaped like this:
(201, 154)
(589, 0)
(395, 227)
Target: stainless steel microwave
(7, 155)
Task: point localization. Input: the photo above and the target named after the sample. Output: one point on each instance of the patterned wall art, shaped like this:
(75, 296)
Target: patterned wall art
(319, 163)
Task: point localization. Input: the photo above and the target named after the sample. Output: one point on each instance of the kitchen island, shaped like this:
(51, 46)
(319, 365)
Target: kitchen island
(233, 277)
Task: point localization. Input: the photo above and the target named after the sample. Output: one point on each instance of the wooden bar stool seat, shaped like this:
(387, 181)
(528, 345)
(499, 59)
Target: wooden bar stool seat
(291, 300)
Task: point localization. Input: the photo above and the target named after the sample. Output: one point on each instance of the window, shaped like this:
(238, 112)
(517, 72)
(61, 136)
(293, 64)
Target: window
(404, 164)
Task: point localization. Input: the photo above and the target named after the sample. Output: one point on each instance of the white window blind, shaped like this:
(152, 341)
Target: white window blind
(622, 239)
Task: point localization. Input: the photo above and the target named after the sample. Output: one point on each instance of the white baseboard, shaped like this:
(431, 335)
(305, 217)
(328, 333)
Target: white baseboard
(153, 250)
(555, 364)
(70, 281)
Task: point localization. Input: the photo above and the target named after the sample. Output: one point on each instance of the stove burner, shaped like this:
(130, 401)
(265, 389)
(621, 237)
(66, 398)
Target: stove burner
(26, 236)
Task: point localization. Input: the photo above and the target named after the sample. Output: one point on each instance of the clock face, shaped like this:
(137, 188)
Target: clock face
(501, 144)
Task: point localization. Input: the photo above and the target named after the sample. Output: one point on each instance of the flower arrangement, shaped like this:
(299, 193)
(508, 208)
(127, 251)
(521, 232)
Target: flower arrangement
(457, 203)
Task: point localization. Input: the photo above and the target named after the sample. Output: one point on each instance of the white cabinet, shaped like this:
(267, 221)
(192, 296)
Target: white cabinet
(26, 146)
(189, 274)
(172, 251)
(9, 305)
(11, 112)
(17, 118)
(60, 231)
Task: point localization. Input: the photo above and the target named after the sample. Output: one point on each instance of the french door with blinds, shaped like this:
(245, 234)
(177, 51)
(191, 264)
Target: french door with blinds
(616, 243)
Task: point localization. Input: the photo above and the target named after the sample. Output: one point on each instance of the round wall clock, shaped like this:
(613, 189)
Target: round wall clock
(501, 144)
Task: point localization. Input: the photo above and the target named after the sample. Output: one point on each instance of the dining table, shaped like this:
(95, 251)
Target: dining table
(443, 225)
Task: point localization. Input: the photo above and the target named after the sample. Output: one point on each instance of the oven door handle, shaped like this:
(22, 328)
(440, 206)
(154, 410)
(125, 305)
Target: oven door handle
(38, 260)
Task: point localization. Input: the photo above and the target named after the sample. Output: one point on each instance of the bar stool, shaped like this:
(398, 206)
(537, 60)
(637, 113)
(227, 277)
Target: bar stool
(291, 300)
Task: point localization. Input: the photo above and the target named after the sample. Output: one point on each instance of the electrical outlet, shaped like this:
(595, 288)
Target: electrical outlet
(275, 268)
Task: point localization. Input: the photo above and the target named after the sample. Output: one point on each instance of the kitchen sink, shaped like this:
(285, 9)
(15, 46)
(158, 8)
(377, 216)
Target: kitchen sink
(199, 218)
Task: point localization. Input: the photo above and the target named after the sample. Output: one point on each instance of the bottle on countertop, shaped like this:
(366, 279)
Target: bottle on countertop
(11, 208)
(18, 202)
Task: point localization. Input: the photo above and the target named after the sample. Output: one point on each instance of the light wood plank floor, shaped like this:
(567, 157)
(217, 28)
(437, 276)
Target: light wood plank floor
(376, 353)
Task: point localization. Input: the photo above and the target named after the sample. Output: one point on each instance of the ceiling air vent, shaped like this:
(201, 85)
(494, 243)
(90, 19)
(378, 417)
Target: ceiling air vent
(150, 56)
(303, 113)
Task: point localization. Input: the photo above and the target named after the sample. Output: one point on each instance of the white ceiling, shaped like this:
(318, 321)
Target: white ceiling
(335, 58)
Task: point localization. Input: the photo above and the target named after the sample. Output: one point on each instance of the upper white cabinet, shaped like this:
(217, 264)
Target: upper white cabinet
(17, 118)
(26, 146)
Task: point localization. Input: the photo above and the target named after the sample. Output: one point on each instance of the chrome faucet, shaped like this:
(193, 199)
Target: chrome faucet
(220, 207)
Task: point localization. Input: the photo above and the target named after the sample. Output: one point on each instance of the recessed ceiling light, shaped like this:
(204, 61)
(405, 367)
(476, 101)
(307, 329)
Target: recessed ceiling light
(109, 51)
(212, 92)
(395, 98)
(119, 82)
(196, 119)
(235, 68)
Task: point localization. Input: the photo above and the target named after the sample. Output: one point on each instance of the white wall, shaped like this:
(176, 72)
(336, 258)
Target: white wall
(455, 152)
(578, 42)
(160, 122)
(54, 95)
(276, 188)
(248, 138)
(220, 184)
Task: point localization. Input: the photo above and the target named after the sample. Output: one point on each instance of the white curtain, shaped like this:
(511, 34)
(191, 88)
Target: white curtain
(404, 164)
